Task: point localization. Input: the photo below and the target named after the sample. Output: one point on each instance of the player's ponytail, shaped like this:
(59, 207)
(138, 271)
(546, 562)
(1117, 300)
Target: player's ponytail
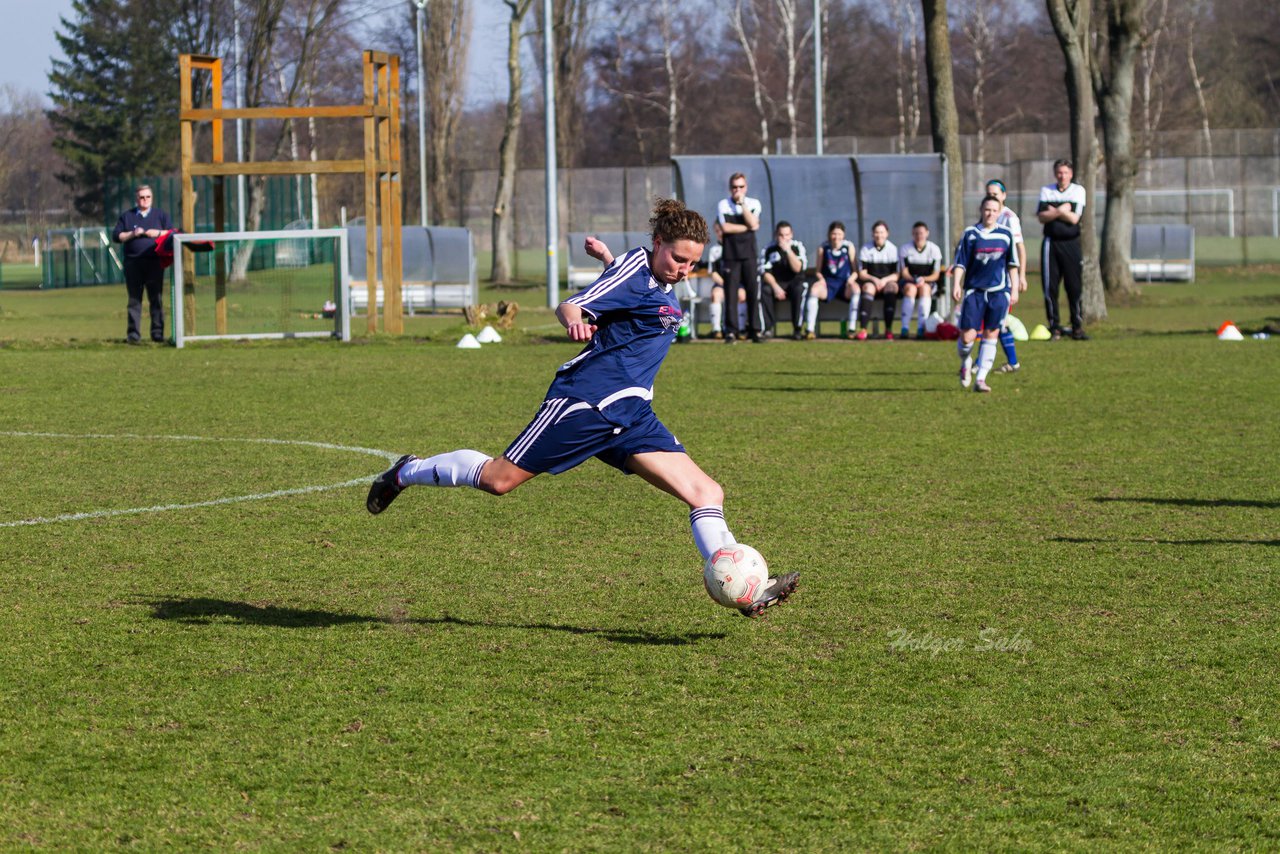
(672, 221)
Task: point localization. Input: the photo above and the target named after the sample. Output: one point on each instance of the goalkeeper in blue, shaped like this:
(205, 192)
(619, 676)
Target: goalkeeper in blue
(985, 264)
(600, 402)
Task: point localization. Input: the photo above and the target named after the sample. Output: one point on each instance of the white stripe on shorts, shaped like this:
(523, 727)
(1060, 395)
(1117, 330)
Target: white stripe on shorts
(544, 419)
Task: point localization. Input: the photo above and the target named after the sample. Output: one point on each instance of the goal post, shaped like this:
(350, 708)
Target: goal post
(294, 285)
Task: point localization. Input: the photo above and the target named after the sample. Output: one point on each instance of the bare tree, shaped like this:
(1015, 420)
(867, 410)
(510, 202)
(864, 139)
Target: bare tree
(1150, 60)
(908, 77)
(788, 17)
(1197, 83)
(742, 22)
(944, 119)
(503, 226)
(1071, 23)
(445, 43)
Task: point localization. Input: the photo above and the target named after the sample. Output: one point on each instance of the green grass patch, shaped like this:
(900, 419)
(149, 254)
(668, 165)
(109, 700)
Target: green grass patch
(1043, 618)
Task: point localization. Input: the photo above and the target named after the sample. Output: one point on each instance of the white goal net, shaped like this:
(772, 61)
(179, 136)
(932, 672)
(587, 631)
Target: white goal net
(261, 284)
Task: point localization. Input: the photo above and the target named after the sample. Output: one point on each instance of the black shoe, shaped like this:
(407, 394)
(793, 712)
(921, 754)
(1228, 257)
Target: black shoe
(757, 339)
(798, 335)
(780, 587)
(385, 487)
(1056, 336)
(1078, 335)
(730, 338)
(133, 339)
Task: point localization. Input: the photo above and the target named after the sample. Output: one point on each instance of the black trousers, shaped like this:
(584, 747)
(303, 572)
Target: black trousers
(796, 290)
(144, 274)
(741, 273)
(1061, 261)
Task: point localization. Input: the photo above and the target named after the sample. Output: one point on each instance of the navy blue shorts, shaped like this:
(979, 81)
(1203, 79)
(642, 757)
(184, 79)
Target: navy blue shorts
(835, 289)
(568, 432)
(984, 309)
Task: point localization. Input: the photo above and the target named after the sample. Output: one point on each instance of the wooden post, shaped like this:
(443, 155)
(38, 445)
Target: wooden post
(219, 206)
(371, 195)
(188, 189)
(393, 321)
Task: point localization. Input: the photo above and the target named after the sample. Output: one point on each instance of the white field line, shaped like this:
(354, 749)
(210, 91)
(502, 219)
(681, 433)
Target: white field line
(161, 508)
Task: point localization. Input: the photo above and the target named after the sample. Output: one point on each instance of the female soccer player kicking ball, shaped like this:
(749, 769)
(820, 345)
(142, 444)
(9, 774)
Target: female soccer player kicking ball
(599, 404)
(985, 252)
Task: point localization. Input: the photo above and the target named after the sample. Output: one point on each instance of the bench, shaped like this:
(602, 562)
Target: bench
(829, 311)
(1163, 252)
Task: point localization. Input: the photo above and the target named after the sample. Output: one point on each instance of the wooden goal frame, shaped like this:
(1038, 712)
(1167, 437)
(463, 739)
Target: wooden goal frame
(380, 112)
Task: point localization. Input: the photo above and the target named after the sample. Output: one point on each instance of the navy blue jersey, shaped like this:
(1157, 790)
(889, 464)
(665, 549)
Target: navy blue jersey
(637, 317)
(837, 261)
(984, 256)
(134, 218)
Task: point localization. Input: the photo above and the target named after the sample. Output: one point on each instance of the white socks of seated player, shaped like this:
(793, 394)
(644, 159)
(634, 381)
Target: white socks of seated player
(709, 529)
(925, 305)
(456, 468)
(908, 309)
(851, 322)
(717, 317)
(986, 358)
(811, 314)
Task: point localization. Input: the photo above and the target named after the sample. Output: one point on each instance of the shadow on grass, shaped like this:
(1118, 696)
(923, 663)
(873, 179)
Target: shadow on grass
(1195, 502)
(1158, 542)
(830, 390)
(201, 611)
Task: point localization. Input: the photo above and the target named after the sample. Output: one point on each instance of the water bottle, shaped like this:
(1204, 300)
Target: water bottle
(683, 335)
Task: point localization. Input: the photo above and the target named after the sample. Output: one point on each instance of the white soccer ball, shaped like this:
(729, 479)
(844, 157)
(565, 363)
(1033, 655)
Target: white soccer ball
(735, 576)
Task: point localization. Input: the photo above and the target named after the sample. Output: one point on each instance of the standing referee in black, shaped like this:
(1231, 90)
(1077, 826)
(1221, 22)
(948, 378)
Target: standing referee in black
(739, 218)
(1061, 205)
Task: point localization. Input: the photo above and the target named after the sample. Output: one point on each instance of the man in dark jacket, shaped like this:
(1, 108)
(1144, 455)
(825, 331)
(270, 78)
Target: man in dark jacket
(137, 230)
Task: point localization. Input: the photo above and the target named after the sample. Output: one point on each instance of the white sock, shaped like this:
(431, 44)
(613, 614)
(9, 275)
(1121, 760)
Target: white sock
(986, 358)
(709, 529)
(456, 468)
(924, 304)
(852, 323)
(717, 317)
(811, 314)
(742, 315)
(908, 309)
(964, 350)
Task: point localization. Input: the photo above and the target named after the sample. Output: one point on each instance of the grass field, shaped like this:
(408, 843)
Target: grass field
(1045, 618)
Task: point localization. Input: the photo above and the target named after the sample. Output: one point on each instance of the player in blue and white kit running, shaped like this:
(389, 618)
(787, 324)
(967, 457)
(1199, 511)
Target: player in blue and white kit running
(981, 271)
(834, 279)
(599, 404)
(1008, 219)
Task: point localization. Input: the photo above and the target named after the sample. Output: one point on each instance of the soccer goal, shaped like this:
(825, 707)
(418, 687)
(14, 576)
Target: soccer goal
(261, 284)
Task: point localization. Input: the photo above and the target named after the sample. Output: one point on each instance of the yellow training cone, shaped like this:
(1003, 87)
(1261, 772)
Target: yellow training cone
(1040, 333)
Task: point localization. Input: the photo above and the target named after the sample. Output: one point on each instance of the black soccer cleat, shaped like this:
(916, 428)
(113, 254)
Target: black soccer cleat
(780, 587)
(385, 487)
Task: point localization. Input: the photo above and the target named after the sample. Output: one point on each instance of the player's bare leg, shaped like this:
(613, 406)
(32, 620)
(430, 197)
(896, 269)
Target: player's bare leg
(677, 474)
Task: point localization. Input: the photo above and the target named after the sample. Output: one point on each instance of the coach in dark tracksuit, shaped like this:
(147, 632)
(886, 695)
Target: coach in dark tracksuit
(739, 218)
(1061, 205)
(137, 230)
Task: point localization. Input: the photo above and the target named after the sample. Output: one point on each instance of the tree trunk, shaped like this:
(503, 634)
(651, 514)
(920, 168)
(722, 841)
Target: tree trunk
(1071, 25)
(1114, 88)
(446, 43)
(503, 238)
(749, 48)
(943, 116)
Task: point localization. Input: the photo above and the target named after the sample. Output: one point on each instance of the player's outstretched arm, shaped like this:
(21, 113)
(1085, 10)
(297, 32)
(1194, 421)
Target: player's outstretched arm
(571, 317)
(597, 249)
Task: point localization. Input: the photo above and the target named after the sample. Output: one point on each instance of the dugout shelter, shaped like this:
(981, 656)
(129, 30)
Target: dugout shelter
(811, 191)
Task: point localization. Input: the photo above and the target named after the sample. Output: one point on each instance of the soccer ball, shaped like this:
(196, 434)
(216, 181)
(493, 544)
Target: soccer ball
(735, 575)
